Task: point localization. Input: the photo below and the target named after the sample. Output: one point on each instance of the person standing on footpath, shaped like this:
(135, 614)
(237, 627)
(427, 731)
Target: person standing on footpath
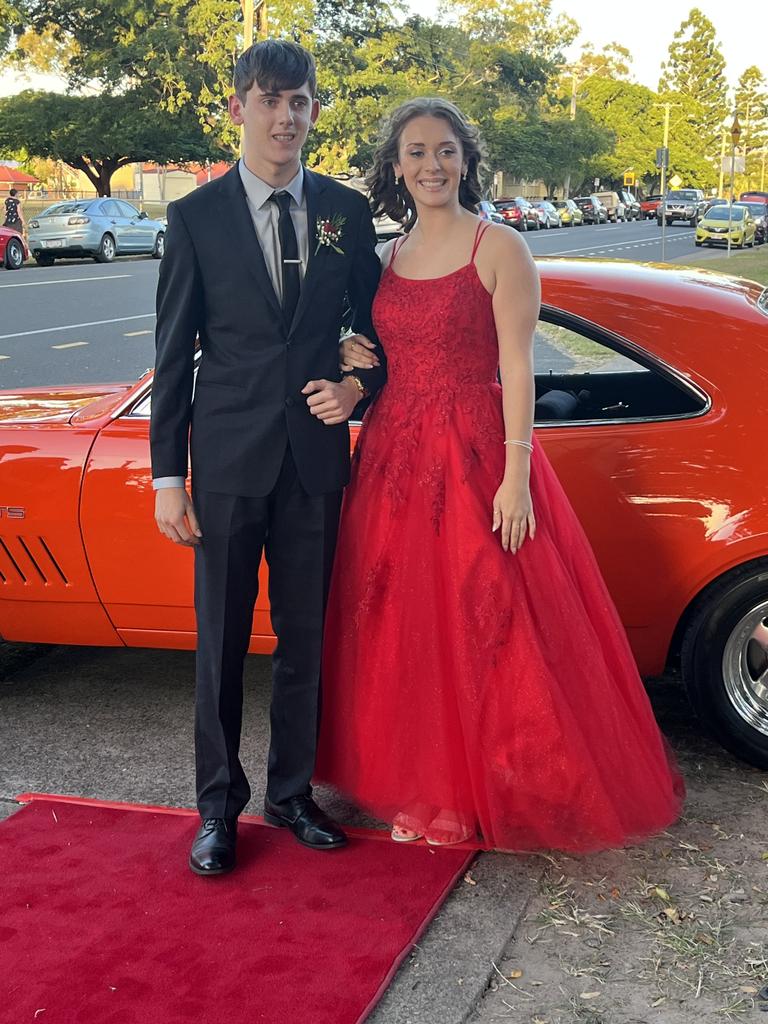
(258, 266)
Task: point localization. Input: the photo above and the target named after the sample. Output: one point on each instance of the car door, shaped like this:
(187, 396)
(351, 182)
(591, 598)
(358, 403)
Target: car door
(144, 581)
(141, 232)
(619, 434)
(116, 223)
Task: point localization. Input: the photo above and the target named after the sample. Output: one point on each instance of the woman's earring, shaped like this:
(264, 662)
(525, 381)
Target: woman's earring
(397, 181)
(464, 176)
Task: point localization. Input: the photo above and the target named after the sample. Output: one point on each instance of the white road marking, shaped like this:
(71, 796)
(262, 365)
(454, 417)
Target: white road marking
(74, 327)
(71, 344)
(592, 249)
(135, 334)
(5, 357)
(66, 280)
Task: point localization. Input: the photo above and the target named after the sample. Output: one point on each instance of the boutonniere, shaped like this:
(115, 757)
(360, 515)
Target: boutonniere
(329, 232)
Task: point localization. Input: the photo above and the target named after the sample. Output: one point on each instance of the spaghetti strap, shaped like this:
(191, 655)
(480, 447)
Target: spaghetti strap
(482, 227)
(399, 242)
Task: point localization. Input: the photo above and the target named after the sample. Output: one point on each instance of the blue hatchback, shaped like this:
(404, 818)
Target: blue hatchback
(101, 228)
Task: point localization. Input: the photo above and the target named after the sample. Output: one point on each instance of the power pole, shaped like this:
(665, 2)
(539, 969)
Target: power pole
(722, 165)
(665, 147)
(248, 16)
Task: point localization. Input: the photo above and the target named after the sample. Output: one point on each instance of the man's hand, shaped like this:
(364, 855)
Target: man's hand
(331, 402)
(175, 516)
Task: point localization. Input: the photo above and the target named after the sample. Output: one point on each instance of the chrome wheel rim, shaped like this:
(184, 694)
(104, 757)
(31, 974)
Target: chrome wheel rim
(16, 256)
(108, 248)
(160, 245)
(745, 667)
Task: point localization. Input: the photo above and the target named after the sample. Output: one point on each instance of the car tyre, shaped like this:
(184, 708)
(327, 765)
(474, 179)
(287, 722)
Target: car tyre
(14, 255)
(106, 250)
(722, 661)
(44, 260)
(159, 249)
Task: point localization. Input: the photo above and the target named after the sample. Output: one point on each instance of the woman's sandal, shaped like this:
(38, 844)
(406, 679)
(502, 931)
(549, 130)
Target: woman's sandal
(401, 833)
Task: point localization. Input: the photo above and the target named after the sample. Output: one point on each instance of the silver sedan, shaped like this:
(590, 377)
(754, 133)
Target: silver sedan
(101, 228)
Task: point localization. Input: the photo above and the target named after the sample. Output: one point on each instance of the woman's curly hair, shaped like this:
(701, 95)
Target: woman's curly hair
(394, 199)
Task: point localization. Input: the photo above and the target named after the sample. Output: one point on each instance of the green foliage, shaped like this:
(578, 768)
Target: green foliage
(695, 68)
(99, 134)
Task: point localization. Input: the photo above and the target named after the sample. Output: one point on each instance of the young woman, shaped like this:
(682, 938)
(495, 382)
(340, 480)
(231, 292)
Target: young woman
(477, 682)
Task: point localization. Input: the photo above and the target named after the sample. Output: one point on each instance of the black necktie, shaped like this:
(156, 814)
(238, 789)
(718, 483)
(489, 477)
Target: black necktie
(289, 255)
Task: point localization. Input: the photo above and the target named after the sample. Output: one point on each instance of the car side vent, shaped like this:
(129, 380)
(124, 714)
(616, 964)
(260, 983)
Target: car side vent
(29, 560)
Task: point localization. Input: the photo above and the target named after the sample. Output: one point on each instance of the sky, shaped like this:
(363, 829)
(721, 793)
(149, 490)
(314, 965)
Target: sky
(646, 33)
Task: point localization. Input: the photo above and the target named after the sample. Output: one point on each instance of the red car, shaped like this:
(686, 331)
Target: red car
(649, 206)
(13, 249)
(658, 440)
(519, 213)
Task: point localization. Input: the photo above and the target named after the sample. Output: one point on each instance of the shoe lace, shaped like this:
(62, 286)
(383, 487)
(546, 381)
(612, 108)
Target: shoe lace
(211, 824)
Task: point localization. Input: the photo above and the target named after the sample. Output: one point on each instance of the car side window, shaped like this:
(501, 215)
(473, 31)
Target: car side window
(126, 210)
(109, 208)
(586, 375)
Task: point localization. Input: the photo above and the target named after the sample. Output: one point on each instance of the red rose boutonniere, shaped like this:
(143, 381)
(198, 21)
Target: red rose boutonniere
(329, 233)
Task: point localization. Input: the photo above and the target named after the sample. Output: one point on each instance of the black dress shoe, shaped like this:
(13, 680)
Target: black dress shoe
(213, 849)
(311, 826)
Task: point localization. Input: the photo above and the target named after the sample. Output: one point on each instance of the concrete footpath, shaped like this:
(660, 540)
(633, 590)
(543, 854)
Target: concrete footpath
(669, 932)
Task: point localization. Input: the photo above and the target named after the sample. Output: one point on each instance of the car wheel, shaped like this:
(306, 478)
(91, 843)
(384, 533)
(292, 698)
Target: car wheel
(159, 248)
(537, 225)
(693, 221)
(725, 661)
(14, 254)
(44, 260)
(697, 244)
(106, 250)
(523, 224)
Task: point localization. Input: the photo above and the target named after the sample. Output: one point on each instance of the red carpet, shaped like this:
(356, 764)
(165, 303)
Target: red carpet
(95, 928)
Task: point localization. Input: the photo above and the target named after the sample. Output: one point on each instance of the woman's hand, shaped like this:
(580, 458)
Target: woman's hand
(513, 514)
(356, 352)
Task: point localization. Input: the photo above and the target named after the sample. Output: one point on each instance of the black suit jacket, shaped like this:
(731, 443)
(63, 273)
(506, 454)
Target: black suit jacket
(248, 405)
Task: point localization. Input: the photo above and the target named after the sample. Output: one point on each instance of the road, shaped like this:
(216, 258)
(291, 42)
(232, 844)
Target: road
(80, 321)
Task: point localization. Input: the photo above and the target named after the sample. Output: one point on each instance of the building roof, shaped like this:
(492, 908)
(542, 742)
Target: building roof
(13, 176)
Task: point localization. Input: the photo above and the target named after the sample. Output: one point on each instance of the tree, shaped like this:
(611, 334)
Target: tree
(695, 68)
(554, 149)
(99, 134)
(518, 24)
(751, 102)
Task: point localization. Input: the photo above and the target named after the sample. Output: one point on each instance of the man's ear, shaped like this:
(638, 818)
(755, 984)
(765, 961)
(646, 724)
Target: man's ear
(235, 105)
(315, 112)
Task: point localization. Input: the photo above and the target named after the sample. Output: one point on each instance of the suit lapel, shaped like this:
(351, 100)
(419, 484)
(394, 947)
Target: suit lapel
(237, 217)
(314, 186)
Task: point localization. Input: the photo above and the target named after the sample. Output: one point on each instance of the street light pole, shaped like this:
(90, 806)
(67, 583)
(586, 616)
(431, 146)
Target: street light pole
(735, 136)
(665, 145)
(722, 165)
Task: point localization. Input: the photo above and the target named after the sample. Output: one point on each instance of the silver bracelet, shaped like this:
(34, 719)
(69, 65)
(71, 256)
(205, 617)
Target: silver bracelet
(523, 444)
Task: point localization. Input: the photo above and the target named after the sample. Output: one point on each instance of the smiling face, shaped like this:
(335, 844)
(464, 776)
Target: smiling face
(430, 161)
(276, 125)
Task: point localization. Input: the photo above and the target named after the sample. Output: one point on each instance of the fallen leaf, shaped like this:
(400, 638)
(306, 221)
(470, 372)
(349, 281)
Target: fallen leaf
(749, 989)
(764, 856)
(588, 995)
(662, 893)
(706, 939)
(515, 974)
(615, 892)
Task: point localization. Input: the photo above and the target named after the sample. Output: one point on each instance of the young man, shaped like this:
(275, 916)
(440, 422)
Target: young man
(259, 266)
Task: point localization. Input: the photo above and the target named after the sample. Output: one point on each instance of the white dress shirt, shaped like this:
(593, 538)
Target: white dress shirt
(265, 217)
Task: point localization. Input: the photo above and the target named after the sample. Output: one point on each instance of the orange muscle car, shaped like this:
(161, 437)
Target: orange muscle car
(649, 405)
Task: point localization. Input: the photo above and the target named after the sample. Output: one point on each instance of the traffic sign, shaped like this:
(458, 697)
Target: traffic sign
(597, 183)
(629, 178)
(675, 181)
(662, 156)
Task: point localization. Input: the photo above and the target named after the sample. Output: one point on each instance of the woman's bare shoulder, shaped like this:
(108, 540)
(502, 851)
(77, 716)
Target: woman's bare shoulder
(385, 252)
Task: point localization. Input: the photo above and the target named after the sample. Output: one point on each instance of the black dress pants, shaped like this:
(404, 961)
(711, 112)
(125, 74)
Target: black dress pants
(297, 533)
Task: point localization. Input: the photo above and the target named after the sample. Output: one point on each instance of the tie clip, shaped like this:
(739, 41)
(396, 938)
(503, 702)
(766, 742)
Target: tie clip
(291, 261)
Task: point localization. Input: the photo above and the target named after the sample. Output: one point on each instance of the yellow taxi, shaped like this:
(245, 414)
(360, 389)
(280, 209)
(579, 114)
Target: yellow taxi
(713, 227)
(569, 212)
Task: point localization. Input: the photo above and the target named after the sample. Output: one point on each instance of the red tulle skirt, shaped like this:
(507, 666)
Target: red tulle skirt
(469, 690)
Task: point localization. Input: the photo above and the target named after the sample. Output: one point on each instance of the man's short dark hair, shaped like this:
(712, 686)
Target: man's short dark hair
(13, 192)
(275, 65)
